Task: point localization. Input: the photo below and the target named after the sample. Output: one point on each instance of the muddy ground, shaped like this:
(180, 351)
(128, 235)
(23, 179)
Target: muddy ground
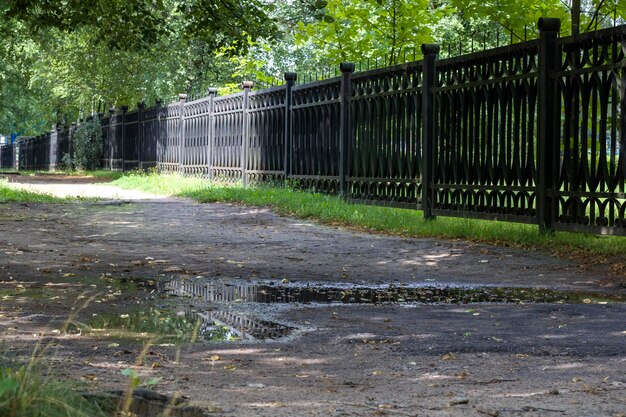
(102, 258)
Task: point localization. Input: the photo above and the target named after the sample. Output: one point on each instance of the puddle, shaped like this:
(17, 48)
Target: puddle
(163, 326)
(226, 312)
(219, 291)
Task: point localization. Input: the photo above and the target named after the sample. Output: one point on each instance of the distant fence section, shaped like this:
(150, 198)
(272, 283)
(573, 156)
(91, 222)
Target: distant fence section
(534, 132)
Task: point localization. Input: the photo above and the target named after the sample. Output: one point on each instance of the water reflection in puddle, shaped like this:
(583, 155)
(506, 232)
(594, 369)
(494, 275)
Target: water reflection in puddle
(163, 326)
(219, 291)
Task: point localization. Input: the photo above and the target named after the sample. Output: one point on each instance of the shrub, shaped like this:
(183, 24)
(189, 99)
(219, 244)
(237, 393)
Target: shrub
(87, 145)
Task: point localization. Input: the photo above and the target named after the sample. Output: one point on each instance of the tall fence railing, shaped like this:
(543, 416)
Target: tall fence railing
(533, 132)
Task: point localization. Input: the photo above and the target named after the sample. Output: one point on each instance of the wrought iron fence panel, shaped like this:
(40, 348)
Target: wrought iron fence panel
(7, 155)
(113, 148)
(62, 145)
(169, 158)
(485, 134)
(105, 124)
(315, 135)
(385, 150)
(266, 115)
(35, 153)
(227, 138)
(149, 137)
(131, 141)
(196, 140)
(591, 83)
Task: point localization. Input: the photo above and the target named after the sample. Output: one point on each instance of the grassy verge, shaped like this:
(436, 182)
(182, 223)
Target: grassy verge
(14, 195)
(111, 175)
(401, 222)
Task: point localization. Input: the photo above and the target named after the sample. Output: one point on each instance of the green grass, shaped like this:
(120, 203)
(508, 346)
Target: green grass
(13, 195)
(402, 222)
(112, 175)
(27, 392)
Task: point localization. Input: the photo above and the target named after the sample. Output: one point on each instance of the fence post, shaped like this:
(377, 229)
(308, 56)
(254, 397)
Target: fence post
(246, 85)
(430, 52)
(54, 149)
(347, 68)
(139, 145)
(209, 157)
(124, 110)
(181, 130)
(157, 133)
(548, 136)
(290, 78)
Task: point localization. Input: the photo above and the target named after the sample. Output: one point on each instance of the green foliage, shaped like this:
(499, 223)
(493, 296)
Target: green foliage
(355, 30)
(87, 144)
(26, 392)
(60, 60)
(516, 15)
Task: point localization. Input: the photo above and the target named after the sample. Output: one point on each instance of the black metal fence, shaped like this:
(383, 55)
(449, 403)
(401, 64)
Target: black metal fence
(533, 132)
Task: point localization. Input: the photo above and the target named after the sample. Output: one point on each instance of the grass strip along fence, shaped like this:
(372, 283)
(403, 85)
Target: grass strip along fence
(529, 133)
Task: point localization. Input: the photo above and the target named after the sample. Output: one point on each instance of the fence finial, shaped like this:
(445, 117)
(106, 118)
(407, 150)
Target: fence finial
(549, 23)
(346, 67)
(291, 76)
(247, 84)
(212, 91)
(430, 49)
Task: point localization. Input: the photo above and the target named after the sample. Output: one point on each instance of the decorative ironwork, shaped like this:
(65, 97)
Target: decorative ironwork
(7, 156)
(227, 138)
(591, 83)
(196, 139)
(34, 153)
(485, 130)
(315, 135)
(386, 139)
(266, 115)
(168, 141)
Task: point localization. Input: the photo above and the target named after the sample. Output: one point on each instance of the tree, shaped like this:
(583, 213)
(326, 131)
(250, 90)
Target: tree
(356, 30)
(517, 15)
(61, 59)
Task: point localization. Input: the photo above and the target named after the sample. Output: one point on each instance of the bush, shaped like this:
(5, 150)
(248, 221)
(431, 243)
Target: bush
(87, 145)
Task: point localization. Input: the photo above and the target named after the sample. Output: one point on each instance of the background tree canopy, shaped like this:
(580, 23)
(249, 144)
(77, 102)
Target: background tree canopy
(64, 59)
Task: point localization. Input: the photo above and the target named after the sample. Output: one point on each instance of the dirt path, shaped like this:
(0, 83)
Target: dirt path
(344, 360)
